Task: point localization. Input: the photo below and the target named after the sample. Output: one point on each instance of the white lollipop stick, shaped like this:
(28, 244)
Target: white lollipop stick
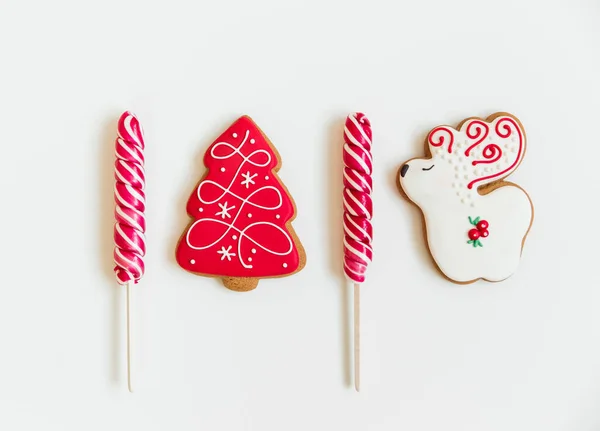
(357, 337)
(129, 337)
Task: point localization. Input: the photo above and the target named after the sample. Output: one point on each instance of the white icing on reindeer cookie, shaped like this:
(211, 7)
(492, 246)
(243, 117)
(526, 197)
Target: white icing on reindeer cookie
(476, 224)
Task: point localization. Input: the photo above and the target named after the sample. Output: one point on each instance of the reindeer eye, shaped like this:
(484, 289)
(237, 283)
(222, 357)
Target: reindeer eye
(429, 168)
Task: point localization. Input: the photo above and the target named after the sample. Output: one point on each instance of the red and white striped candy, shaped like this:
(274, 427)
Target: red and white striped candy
(130, 200)
(358, 205)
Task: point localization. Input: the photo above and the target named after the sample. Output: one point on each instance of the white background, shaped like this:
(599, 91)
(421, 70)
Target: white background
(519, 355)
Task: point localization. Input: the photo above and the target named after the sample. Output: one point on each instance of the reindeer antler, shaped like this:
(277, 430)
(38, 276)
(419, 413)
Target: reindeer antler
(498, 143)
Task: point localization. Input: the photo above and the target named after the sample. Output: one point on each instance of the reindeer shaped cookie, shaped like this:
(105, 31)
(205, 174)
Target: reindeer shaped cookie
(475, 222)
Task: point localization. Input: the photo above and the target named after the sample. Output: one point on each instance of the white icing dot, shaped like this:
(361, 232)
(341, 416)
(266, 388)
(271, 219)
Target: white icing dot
(487, 169)
(253, 251)
(249, 259)
(456, 175)
(454, 185)
(457, 167)
(252, 141)
(498, 166)
(458, 193)
(464, 200)
(249, 215)
(200, 209)
(266, 177)
(465, 167)
(460, 185)
(513, 149)
(234, 237)
(235, 135)
(476, 172)
(472, 204)
(285, 265)
(450, 160)
(460, 158)
(466, 177)
(192, 261)
(506, 160)
(514, 139)
(222, 169)
(277, 216)
(443, 156)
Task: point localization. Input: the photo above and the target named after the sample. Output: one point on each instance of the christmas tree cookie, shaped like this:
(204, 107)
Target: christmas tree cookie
(242, 213)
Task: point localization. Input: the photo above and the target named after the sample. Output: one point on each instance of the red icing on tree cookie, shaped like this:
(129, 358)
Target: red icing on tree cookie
(242, 230)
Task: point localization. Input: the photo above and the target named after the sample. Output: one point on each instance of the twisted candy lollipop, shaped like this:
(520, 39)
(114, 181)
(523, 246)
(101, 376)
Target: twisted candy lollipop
(130, 243)
(358, 209)
(358, 206)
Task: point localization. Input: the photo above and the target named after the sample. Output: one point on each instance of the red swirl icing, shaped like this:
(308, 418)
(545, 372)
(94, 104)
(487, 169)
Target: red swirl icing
(477, 130)
(498, 144)
(437, 137)
(492, 153)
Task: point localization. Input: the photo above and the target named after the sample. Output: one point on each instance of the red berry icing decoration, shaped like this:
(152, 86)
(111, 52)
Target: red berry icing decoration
(482, 225)
(480, 231)
(474, 234)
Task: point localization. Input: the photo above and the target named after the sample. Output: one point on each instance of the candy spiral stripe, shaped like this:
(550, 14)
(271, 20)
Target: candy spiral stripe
(358, 205)
(130, 200)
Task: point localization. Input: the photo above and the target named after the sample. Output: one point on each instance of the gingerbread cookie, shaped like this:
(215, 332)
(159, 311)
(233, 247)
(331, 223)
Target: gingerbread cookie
(475, 222)
(242, 213)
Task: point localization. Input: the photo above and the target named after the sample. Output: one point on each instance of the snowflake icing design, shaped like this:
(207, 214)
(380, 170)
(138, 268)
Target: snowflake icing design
(248, 179)
(225, 210)
(225, 253)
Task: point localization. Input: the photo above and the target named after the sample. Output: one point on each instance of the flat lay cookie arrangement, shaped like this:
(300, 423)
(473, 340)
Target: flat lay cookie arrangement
(299, 216)
(475, 222)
